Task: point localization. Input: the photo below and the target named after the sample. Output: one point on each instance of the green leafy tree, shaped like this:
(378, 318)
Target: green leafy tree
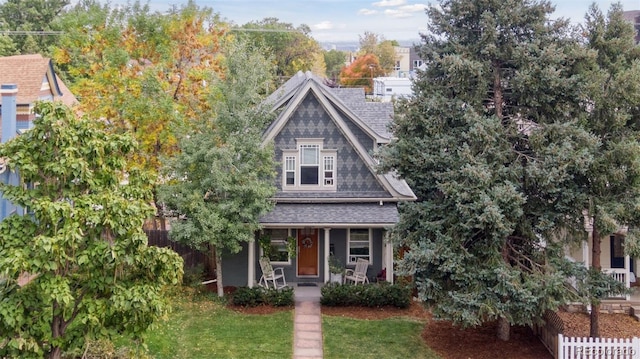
(78, 266)
(612, 183)
(222, 179)
(32, 15)
(292, 48)
(490, 144)
(335, 61)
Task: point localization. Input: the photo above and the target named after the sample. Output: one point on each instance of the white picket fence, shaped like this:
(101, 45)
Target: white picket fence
(598, 348)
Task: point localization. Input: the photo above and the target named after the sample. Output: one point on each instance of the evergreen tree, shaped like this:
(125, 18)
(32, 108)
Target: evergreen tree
(612, 108)
(490, 145)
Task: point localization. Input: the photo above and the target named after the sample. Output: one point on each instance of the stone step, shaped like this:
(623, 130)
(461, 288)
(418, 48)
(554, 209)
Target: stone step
(635, 312)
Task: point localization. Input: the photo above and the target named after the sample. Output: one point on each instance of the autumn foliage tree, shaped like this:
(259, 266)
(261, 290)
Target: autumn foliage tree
(142, 72)
(361, 72)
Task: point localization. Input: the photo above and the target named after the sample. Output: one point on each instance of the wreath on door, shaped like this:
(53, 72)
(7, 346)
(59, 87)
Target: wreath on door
(307, 243)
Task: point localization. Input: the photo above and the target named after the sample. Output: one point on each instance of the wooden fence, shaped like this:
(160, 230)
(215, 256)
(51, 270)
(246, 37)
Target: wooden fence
(600, 348)
(549, 331)
(191, 257)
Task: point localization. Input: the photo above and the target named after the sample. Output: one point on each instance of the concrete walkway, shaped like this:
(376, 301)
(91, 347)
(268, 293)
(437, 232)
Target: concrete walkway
(307, 325)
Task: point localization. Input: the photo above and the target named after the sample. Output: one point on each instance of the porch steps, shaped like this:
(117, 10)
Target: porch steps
(635, 312)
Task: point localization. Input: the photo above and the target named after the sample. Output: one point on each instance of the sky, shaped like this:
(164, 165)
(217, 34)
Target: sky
(345, 20)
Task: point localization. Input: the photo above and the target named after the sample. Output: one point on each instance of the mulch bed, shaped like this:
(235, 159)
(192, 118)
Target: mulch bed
(611, 325)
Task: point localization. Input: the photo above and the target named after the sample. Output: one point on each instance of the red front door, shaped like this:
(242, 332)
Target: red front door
(308, 252)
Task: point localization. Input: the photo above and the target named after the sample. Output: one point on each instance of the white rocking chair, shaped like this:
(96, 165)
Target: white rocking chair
(270, 276)
(359, 274)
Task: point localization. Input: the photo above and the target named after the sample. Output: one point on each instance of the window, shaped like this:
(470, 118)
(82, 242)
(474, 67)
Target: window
(278, 250)
(328, 170)
(290, 170)
(359, 243)
(417, 63)
(397, 66)
(309, 167)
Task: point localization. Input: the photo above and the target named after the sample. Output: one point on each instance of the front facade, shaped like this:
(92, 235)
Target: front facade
(330, 199)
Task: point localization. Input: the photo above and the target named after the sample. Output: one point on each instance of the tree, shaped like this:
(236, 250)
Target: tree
(612, 183)
(32, 15)
(490, 144)
(361, 72)
(222, 178)
(335, 61)
(145, 73)
(384, 50)
(292, 48)
(78, 264)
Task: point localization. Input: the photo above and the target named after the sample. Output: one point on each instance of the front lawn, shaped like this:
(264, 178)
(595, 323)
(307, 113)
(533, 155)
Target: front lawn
(204, 328)
(362, 339)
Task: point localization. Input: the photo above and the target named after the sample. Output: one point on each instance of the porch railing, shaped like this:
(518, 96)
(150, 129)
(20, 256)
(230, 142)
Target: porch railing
(621, 275)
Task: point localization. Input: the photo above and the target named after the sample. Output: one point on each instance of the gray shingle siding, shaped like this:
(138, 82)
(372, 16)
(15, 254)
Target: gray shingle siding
(310, 120)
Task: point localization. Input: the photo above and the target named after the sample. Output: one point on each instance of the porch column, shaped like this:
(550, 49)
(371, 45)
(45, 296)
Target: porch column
(326, 255)
(585, 253)
(251, 266)
(627, 276)
(388, 247)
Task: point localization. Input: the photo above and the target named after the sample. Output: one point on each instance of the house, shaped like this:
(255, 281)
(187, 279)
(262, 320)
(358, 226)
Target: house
(25, 79)
(36, 80)
(386, 89)
(613, 259)
(330, 199)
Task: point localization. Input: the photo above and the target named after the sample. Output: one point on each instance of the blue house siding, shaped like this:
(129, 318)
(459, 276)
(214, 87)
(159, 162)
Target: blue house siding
(311, 121)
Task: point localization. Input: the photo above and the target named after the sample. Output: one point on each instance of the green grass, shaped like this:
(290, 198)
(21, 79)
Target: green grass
(364, 339)
(206, 329)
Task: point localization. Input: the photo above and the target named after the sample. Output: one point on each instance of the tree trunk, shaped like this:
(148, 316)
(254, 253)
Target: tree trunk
(210, 265)
(56, 332)
(504, 329)
(594, 327)
(220, 286)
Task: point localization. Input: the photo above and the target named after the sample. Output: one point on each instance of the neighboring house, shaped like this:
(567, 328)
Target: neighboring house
(613, 259)
(37, 81)
(408, 61)
(330, 199)
(386, 89)
(25, 79)
(633, 17)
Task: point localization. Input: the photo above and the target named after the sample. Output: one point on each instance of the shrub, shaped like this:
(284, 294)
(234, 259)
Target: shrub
(368, 295)
(251, 297)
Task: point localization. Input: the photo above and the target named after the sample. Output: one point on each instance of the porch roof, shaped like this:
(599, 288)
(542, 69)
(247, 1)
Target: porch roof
(332, 215)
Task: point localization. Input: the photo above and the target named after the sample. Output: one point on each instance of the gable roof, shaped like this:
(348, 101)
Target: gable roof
(371, 120)
(28, 71)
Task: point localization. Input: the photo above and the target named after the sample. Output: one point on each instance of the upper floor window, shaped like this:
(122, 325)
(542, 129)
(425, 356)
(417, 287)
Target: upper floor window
(309, 166)
(417, 63)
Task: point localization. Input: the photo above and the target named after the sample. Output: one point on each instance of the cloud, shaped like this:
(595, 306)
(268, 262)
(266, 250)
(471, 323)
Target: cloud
(397, 13)
(413, 8)
(385, 3)
(324, 25)
(367, 12)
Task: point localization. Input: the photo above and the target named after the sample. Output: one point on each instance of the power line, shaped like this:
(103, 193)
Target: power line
(24, 32)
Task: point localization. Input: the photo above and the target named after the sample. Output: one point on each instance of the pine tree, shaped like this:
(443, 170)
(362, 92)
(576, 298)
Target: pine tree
(612, 105)
(490, 145)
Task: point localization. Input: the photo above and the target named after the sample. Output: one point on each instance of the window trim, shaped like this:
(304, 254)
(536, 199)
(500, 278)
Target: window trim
(370, 232)
(295, 156)
(288, 262)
